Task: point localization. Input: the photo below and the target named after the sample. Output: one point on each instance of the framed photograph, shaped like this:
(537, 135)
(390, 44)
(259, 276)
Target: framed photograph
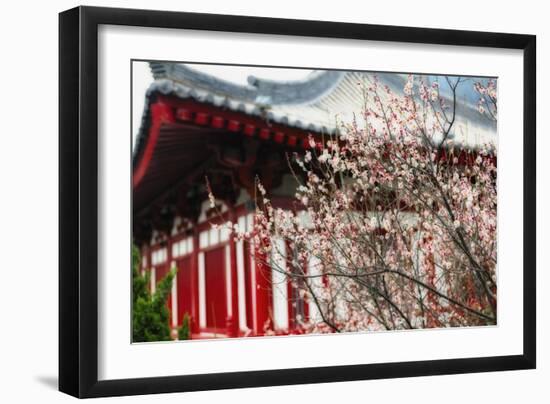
(251, 201)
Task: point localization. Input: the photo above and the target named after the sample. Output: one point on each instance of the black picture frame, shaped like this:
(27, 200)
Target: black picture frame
(78, 203)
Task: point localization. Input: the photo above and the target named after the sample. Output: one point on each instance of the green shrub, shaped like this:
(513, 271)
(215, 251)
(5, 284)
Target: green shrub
(150, 315)
(184, 331)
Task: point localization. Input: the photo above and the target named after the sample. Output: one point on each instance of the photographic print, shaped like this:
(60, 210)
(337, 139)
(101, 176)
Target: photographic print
(289, 187)
(271, 201)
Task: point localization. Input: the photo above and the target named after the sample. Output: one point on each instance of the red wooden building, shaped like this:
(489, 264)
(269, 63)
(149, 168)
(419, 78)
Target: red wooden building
(196, 126)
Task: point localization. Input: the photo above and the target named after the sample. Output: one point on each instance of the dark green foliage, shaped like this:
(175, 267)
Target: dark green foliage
(149, 312)
(184, 331)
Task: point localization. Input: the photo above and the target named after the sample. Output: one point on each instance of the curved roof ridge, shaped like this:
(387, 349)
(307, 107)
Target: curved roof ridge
(259, 91)
(312, 103)
(194, 78)
(316, 85)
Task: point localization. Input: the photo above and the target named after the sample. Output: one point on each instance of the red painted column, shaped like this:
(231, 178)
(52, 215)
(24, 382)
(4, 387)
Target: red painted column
(233, 321)
(291, 292)
(169, 258)
(195, 282)
(264, 294)
(249, 287)
(305, 269)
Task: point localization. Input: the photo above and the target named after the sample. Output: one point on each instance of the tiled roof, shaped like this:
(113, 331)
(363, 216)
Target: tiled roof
(311, 104)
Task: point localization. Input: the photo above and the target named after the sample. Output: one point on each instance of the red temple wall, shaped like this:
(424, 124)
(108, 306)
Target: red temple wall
(213, 284)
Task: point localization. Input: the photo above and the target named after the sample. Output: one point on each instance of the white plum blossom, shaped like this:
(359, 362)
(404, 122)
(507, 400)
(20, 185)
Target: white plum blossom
(401, 226)
(487, 103)
(409, 85)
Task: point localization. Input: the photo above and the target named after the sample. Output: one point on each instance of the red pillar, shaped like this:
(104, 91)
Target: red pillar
(264, 294)
(249, 288)
(233, 321)
(174, 280)
(291, 290)
(195, 282)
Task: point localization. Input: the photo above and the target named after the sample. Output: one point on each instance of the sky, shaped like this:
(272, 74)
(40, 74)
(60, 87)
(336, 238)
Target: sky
(142, 79)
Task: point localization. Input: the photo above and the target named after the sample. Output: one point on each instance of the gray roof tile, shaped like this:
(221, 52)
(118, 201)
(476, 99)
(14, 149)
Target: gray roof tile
(312, 103)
